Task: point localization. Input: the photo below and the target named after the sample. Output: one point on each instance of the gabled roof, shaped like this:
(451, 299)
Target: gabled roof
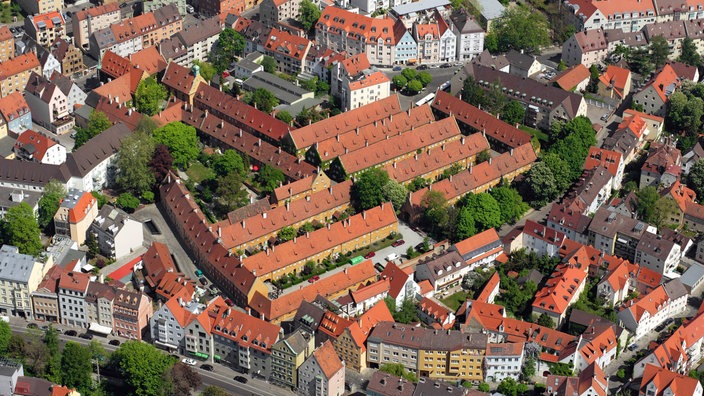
(96, 11)
(287, 44)
(571, 77)
(489, 288)
(157, 262)
(75, 281)
(13, 106)
(179, 78)
(96, 150)
(333, 324)
(437, 312)
(616, 77)
(343, 22)
(480, 242)
(34, 143)
(560, 289)
(397, 276)
(247, 331)
(175, 284)
(370, 291)
(149, 60)
(49, 20)
(599, 157)
(369, 80)
(114, 65)
(328, 360)
(356, 64)
(360, 329)
(665, 82)
(464, 22)
(5, 33)
(667, 382)
(661, 156)
(78, 207)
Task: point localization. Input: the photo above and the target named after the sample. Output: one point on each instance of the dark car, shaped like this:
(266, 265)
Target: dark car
(86, 336)
(71, 333)
(229, 302)
(32, 326)
(369, 255)
(669, 321)
(398, 243)
(379, 267)
(241, 379)
(397, 68)
(207, 367)
(203, 281)
(114, 342)
(446, 66)
(422, 67)
(633, 347)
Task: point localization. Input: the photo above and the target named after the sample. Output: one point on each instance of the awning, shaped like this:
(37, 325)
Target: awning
(100, 329)
(165, 345)
(201, 355)
(217, 357)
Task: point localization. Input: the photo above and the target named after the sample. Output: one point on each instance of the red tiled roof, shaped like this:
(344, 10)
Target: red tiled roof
(425, 29)
(360, 329)
(288, 45)
(489, 288)
(396, 276)
(148, 59)
(356, 64)
(650, 303)
(328, 360)
(616, 77)
(98, 10)
(560, 289)
(369, 80)
(114, 65)
(79, 211)
(484, 238)
(665, 77)
(48, 20)
(591, 40)
(173, 284)
(333, 324)
(667, 382)
(40, 143)
(346, 23)
(602, 157)
(571, 77)
(75, 281)
(5, 33)
(437, 312)
(179, 78)
(18, 65)
(13, 106)
(369, 291)
(157, 262)
(247, 331)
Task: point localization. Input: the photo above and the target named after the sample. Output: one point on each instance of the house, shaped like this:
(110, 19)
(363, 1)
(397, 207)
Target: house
(288, 50)
(32, 146)
(199, 340)
(648, 312)
(75, 97)
(610, 160)
(131, 314)
(523, 65)
(615, 233)
(15, 73)
(198, 41)
(537, 238)
(575, 78)
(410, 13)
(40, 6)
(45, 28)
(72, 291)
(597, 345)
(156, 263)
(86, 22)
(49, 104)
(299, 189)
(222, 7)
(615, 83)
(469, 36)
(618, 282)
(169, 322)
(427, 35)
(434, 314)
(586, 47)
(658, 381)
(403, 287)
(652, 125)
(153, 5)
(322, 374)
(182, 82)
(628, 16)
(249, 65)
(116, 232)
(491, 289)
(20, 274)
(504, 360)
(10, 372)
(383, 384)
(360, 300)
(663, 165)
(356, 84)
(45, 299)
(590, 382)
(563, 289)
(273, 11)
(75, 215)
(350, 344)
(15, 112)
(693, 277)
(31, 386)
(288, 354)
(658, 253)
(99, 300)
(653, 97)
(7, 44)
(149, 60)
(174, 284)
(489, 11)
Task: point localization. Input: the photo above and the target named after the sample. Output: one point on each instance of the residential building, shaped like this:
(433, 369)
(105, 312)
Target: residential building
(73, 288)
(503, 361)
(193, 44)
(75, 215)
(406, 48)
(75, 97)
(70, 56)
(427, 35)
(563, 288)
(131, 314)
(116, 232)
(169, 322)
(10, 372)
(31, 386)
(630, 16)
(156, 263)
(49, 104)
(299, 189)
(489, 11)
(402, 287)
(45, 300)
(359, 301)
(479, 250)
(383, 384)
(611, 161)
(20, 274)
(523, 65)
(153, 5)
(434, 314)
(287, 92)
(288, 50)
(249, 65)
(273, 11)
(222, 7)
(615, 286)
(659, 254)
(419, 11)
(658, 381)
(615, 233)
(350, 344)
(15, 113)
(653, 97)
(32, 146)
(589, 382)
(356, 84)
(322, 374)
(663, 165)
(182, 82)
(644, 315)
(32, 7)
(614, 83)
(598, 345)
(45, 28)
(15, 73)
(574, 79)
(586, 47)
(288, 354)
(99, 301)
(199, 331)
(537, 238)
(469, 35)
(88, 21)
(7, 44)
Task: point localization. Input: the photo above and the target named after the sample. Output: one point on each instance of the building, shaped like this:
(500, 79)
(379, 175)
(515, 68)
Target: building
(489, 11)
(7, 44)
(503, 361)
(350, 344)
(643, 315)
(537, 238)
(20, 274)
(469, 35)
(523, 65)
(356, 84)
(153, 5)
(70, 57)
(288, 354)
(287, 92)
(45, 300)
(273, 11)
(116, 232)
(31, 386)
(434, 314)
(586, 47)
(611, 161)
(156, 263)
(181, 81)
(15, 73)
(99, 300)
(658, 381)
(662, 167)
(45, 28)
(31, 146)
(169, 322)
(412, 12)
(427, 36)
(193, 44)
(658, 253)
(629, 16)
(288, 50)
(322, 374)
(653, 97)
(574, 79)
(75, 215)
(614, 83)
(33, 7)
(222, 7)
(131, 314)
(88, 21)
(590, 382)
(49, 104)
(563, 288)
(72, 291)
(75, 97)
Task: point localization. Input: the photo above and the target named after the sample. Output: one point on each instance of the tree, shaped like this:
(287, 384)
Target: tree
(229, 162)
(464, 226)
(229, 193)
(508, 387)
(286, 234)
(230, 43)
(540, 183)
(54, 192)
(284, 116)
(572, 143)
(368, 189)
(97, 123)
(545, 321)
(20, 229)
(128, 202)
(76, 367)
(593, 86)
(269, 64)
(528, 369)
(521, 29)
(264, 100)
(484, 387)
(414, 86)
(398, 370)
(485, 210)
(212, 390)
(409, 74)
(418, 183)
(395, 193)
(406, 313)
(181, 140)
(182, 379)
(647, 200)
(435, 214)
(483, 156)
(513, 113)
(659, 50)
(53, 367)
(690, 54)
(161, 163)
(150, 96)
(5, 336)
(425, 78)
(562, 66)
(206, 70)
(510, 203)
(309, 14)
(269, 178)
(92, 245)
(560, 170)
(133, 160)
(695, 179)
(399, 81)
(142, 367)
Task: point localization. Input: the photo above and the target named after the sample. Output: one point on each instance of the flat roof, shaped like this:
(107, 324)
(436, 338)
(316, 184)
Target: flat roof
(422, 5)
(287, 92)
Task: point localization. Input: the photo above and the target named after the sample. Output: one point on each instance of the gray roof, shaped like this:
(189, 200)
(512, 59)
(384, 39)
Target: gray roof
(417, 6)
(655, 245)
(10, 197)
(419, 337)
(522, 61)
(71, 198)
(445, 264)
(14, 266)
(167, 14)
(172, 47)
(286, 91)
(31, 173)
(110, 217)
(104, 38)
(298, 341)
(97, 150)
(430, 387)
(464, 22)
(200, 31)
(692, 276)
(385, 384)
(249, 62)
(490, 9)
(675, 289)
(608, 223)
(9, 367)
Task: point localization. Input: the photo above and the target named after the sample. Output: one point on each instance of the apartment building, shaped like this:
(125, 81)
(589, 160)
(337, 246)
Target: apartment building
(199, 332)
(86, 22)
(75, 97)
(503, 361)
(156, 263)
(32, 146)
(288, 354)
(7, 44)
(15, 73)
(427, 35)
(73, 288)
(586, 47)
(20, 274)
(193, 44)
(131, 314)
(33, 7)
(49, 104)
(288, 50)
(218, 7)
(299, 189)
(350, 344)
(608, 160)
(629, 16)
(642, 316)
(70, 57)
(469, 36)
(322, 374)
(45, 299)
(45, 28)
(563, 288)
(591, 381)
(273, 11)
(662, 167)
(99, 300)
(654, 96)
(169, 322)
(356, 84)
(658, 381)
(116, 232)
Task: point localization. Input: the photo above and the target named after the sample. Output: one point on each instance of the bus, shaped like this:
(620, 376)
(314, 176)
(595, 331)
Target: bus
(426, 99)
(357, 260)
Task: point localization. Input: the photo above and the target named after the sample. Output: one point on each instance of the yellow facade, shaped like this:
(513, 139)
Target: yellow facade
(462, 364)
(17, 82)
(354, 357)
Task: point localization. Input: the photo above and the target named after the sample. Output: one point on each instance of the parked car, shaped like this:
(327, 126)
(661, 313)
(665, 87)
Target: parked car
(86, 336)
(397, 68)
(446, 66)
(203, 281)
(398, 243)
(422, 67)
(379, 267)
(241, 379)
(32, 326)
(71, 333)
(114, 342)
(207, 367)
(369, 255)
(229, 302)
(189, 361)
(633, 347)
(669, 321)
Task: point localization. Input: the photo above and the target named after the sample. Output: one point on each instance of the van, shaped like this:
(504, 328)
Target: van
(189, 9)
(392, 257)
(239, 81)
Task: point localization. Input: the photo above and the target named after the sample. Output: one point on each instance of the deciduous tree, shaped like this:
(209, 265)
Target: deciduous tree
(647, 200)
(464, 226)
(269, 64)
(97, 123)
(76, 367)
(368, 189)
(182, 379)
(133, 173)
(521, 29)
(269, 178)
(161, 163)
(150, 96)
(20, 229)
(695, 179)
(513, 113)
(142, 367)
(541, 185)
(414, 86)
(399, 81)
(127, 202)
(54, 192)
(181, 140)
(284, 116)
(230, 43)
(510, 203)
(484, 209)
(229, 162)
(425, 78)
(309, 14)
(230, 193)
(264, 100)
(395, 193)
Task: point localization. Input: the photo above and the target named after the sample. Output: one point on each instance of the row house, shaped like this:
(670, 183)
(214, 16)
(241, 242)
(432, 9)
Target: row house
(14, 74)
(629, 138)
(271, 12)
(351, 343)
(615, 83)
(504, 360)
(20, 275)
(198, 333)
(587, 47)
(288, 50)
(75, 96)
(592, 189)
(537, 238)
(427, 35)
(49, 104)
(319, 62)
(32, 7)
(435, 315)
(597, 345)
(288, 354)
(338, 238)
(643, 315)
(323, 373)
(99, 306)
(436, 354)
(299, 189)
(615, 233)
(563, 289)
(624, 278)
(220, 7)
(7, 44)
(658, 381)
(469, 36)
(383, 384)
(418, 11)
(662, 167)
(168, 324)
(72, 291)
(45, 28)
(356, 84)
(70, 57)
(117, 233)
(45, 299)
(629, 16)
(607, 160)
(88, 21)
(193, 44)
(654, 96)
(659, 253)
(32, 146)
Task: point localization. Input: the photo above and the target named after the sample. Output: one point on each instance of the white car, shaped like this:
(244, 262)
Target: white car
(190, 362)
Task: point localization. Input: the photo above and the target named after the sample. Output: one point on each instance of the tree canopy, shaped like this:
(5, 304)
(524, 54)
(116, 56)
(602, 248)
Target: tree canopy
(284, 116)
(76, 367)
(368, 189)
(161, 163)
(230, 43)
(695, 179)
(659, 50)
(264, 100)
(541, 184)
(54, 192)
(97, 123)
(513, 112)
(181, 140)
(133, 173)
(398, 370)
(230, 193)
(142, 367)
(21, 229)
(269, 64)
(484, 209)
(690, 55)
(229, 162)
(510, 202)
(521, 29)
(269, 178)
(309, 14)
(395, 193)
(149, 96)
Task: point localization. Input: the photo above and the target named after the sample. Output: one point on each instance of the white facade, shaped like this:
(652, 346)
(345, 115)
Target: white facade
(312, 381)
(503, 361)
(75, 96)
(20, 274)
(96, 178)
(50, 65)
(165, 329)
(55, 155)
(365, 94)
(72, 306)
(658, 310)
(448, 46)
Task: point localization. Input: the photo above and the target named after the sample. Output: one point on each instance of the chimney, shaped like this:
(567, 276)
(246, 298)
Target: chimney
(288, 205)
(244, 225)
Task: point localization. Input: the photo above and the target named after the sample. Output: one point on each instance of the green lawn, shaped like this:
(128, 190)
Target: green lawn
(454, 301)
(198, 172)
(540, 135)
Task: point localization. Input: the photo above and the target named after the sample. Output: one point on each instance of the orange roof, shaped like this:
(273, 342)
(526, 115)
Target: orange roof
(149, 59)
(282, 216)
(356, 64)
(612, 8)
(350, 277)
(618, 277)
(665, 78)
(5, 33)
(649, 277)
(157, 262)
(60, 390)
(18, 65)
(179, 78)
(175, 283)
(345, 122)
(369, 80)
(489, 288)
(49, 20)
(183, 316)
(216, 307)
(635, 124)
(321, 240)
(609, 159)
(681, 194)
(396, 276)
(650, 303)
(437, 312)
(369, 291)
(484, 238)
(134, 27)
(328, 360)
(425, 29)
(79, 211)
(667, 382)
(98, 10)
(13, 106)
(645, 116)
(600, 345)
(114, 65)
(333, 324)
(39, 142)
(616, 77)
(294, 188)
(349, 24)
(118, 88)
(75, 281)
(560, 289)
(505, 349)
(360, 330)
(571, 77)
(287, 44)
(172, 113)
(425, 287)
(247, 331)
